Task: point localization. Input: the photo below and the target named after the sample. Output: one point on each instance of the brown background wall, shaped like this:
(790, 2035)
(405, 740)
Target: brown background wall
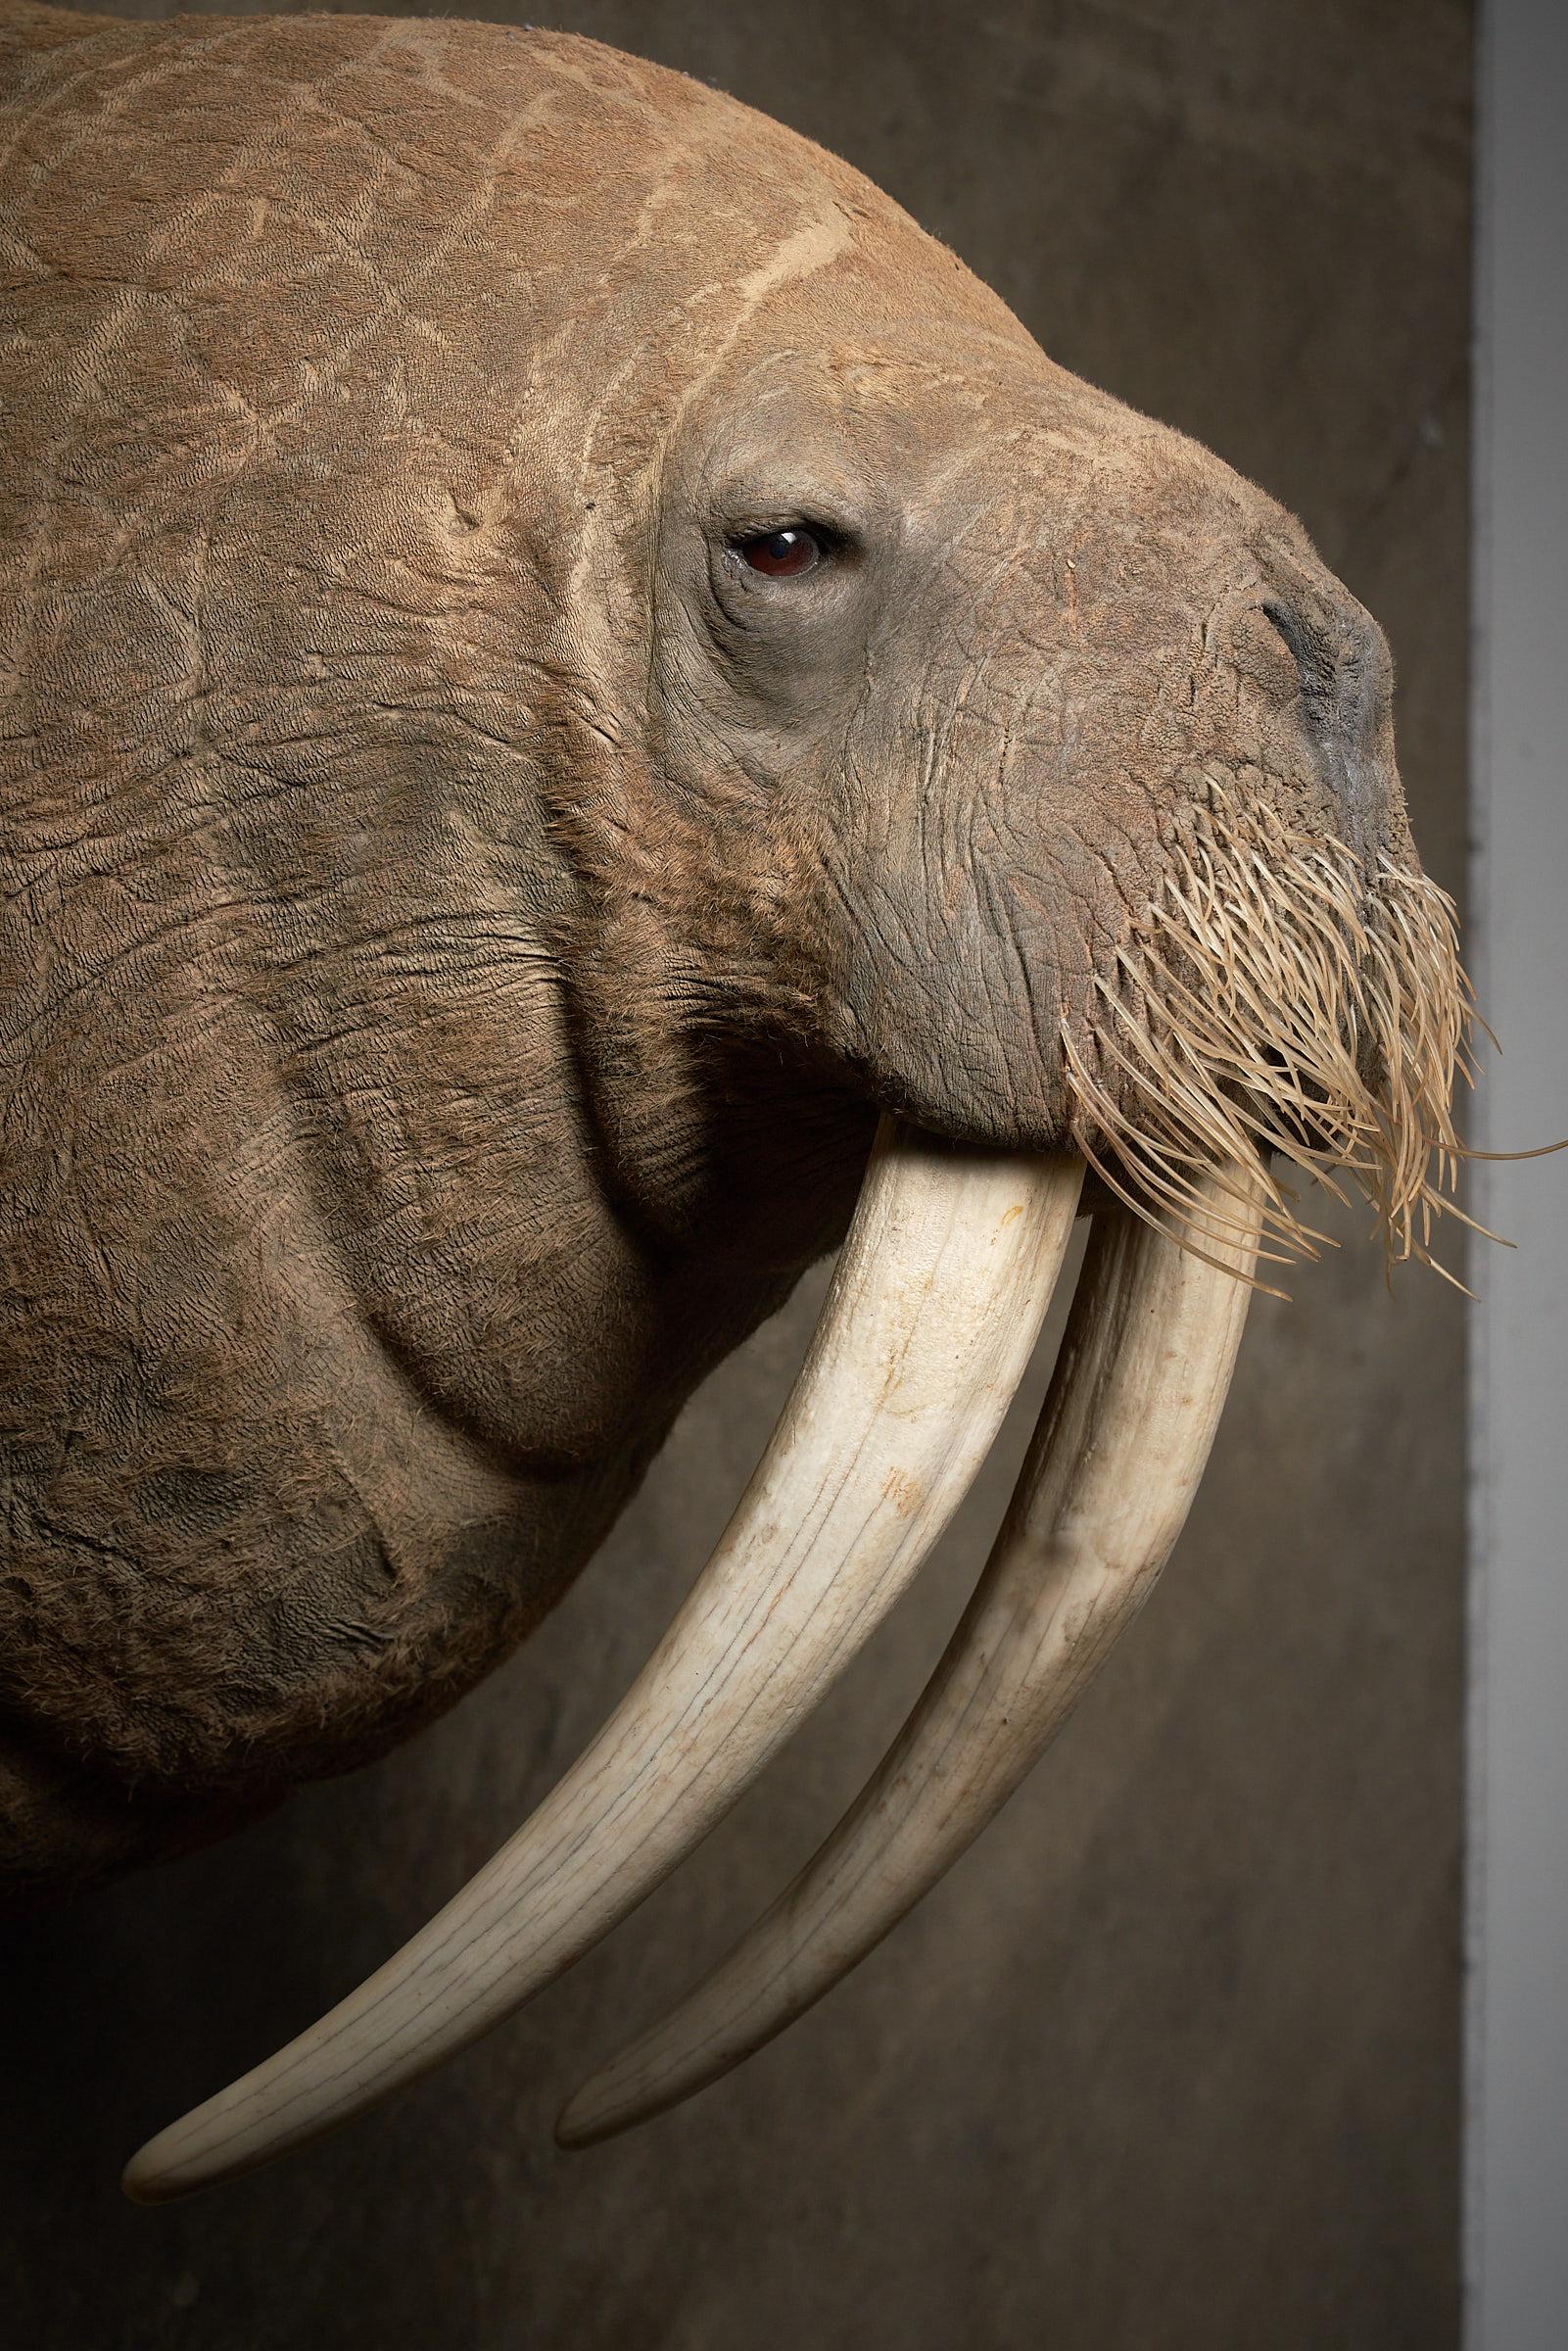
(1171, 2060)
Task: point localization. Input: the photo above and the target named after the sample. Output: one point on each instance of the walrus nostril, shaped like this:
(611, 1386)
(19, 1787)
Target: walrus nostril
(1336, 652)
(1309, 645)
(1343, 668)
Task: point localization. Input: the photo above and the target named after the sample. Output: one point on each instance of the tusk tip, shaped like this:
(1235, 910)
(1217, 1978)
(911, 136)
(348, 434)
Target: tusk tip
(617, 2098)
(588, 2117)
(150, 2178)
(185, 2156)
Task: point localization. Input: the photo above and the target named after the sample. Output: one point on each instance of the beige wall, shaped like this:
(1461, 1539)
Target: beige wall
(1171, 2063)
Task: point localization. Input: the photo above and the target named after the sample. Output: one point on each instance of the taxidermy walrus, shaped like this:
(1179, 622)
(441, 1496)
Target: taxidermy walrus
(586, 712)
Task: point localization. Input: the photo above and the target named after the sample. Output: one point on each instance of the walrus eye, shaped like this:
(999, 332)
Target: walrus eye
(781, 554)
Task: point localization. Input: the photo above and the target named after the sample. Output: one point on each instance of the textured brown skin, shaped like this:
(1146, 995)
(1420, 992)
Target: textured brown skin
(459, 923)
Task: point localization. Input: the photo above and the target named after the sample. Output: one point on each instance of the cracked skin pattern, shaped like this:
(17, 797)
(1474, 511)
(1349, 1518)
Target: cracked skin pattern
(459, 922)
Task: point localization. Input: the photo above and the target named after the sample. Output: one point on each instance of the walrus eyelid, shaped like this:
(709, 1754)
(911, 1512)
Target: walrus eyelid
(831, 540)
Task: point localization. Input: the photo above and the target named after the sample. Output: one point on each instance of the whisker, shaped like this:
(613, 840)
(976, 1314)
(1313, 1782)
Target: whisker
(1269, 999)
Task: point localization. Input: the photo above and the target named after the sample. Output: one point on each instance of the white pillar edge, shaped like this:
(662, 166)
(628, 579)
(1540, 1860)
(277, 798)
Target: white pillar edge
(1515, 2228)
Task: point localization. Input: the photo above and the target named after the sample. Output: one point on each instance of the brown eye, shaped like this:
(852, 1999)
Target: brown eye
(781, 554)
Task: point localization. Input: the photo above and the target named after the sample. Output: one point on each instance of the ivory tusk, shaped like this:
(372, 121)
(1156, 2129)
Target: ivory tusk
(937, 1299)
(1116, 1459)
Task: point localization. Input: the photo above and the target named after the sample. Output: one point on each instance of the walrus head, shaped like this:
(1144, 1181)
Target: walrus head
(1009, 755)
(909, 717)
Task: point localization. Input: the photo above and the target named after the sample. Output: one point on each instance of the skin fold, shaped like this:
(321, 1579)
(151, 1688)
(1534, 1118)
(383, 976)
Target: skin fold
(462, 918)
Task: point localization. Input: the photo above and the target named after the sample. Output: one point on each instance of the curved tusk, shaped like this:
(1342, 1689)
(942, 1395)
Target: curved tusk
(1120, 1445)
(936, 1303)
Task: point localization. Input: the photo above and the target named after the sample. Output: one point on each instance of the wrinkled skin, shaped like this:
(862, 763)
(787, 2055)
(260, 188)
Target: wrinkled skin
(462, 918)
